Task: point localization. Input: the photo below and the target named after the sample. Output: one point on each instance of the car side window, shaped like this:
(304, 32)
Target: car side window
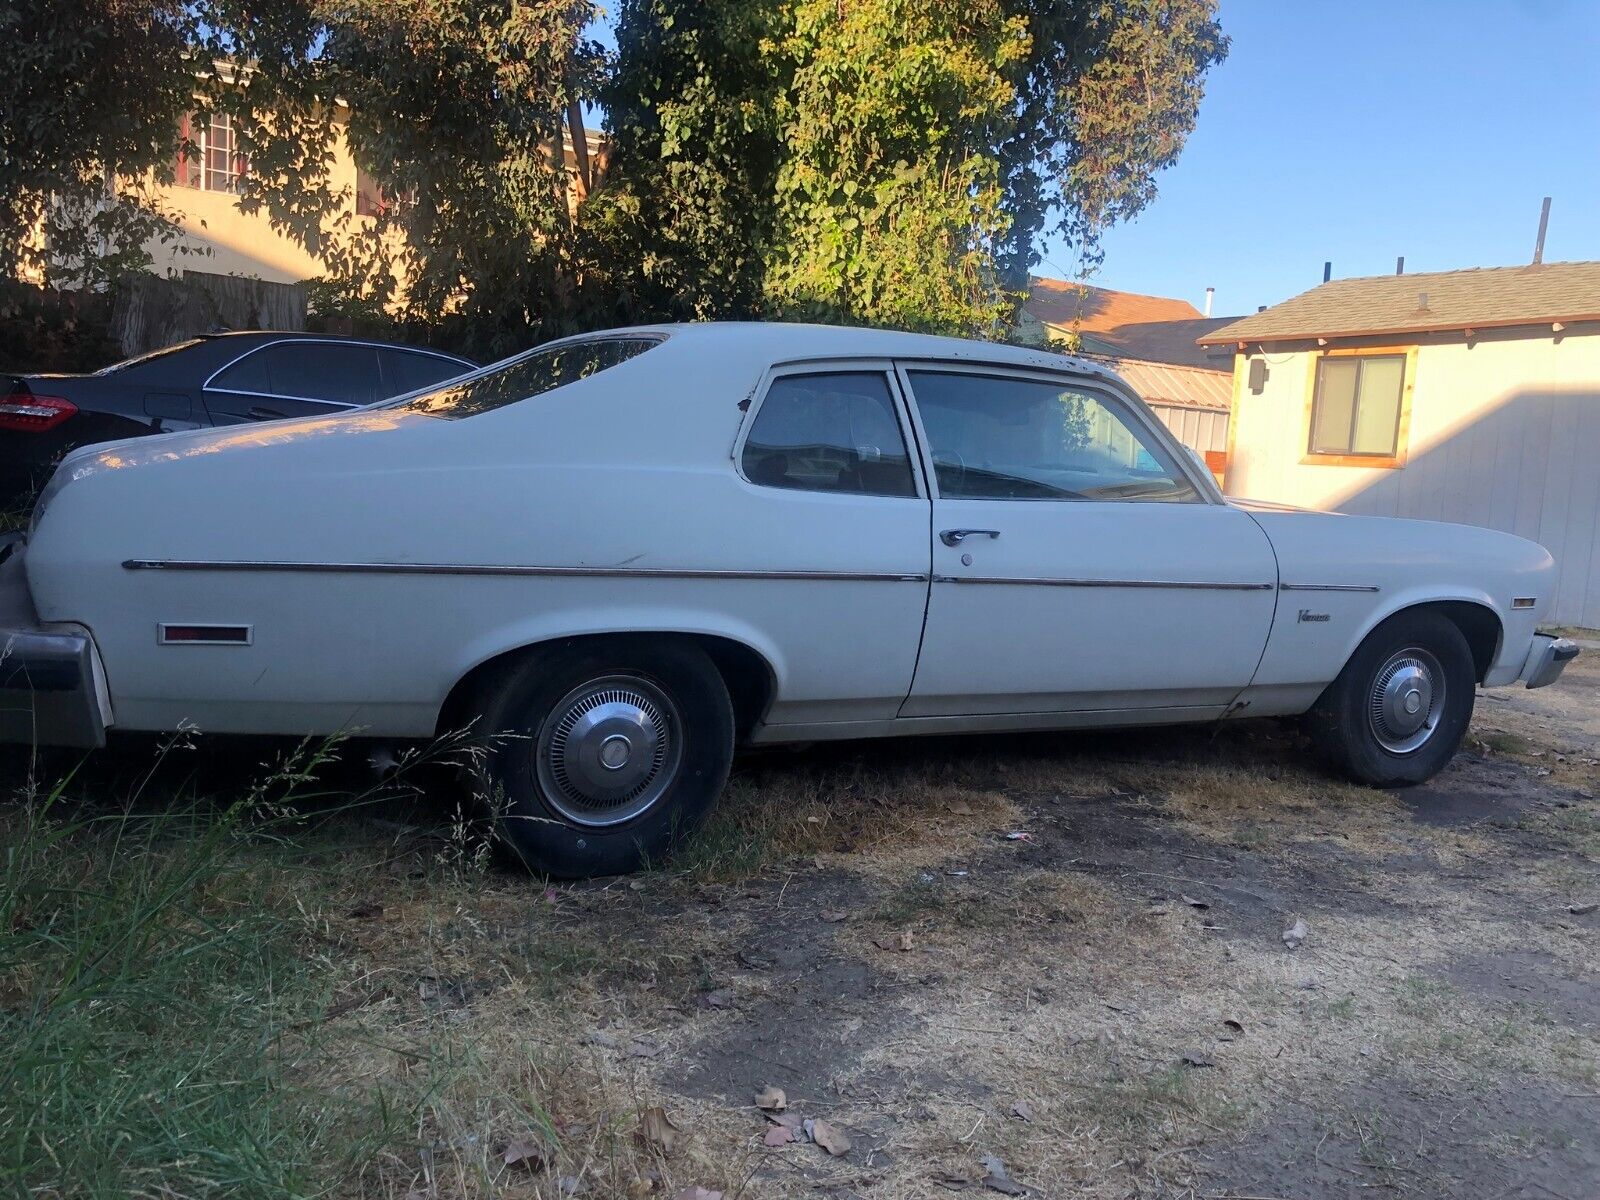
(833, 432)
(999, 438)
(337, 372)
(406, 370)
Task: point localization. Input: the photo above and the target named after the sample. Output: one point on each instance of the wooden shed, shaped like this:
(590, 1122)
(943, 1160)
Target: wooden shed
(1467, 396)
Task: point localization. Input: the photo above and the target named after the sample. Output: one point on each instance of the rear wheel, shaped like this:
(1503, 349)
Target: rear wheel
(1398, 711)
(601, 756)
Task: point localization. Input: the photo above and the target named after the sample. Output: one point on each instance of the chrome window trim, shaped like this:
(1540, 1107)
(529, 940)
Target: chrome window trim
(466, 367)
(283, 396)
(1112, 388)
(393, 568)
(834, 366)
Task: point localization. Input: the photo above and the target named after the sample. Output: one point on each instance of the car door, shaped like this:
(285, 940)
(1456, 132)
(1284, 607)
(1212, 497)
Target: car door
(827, 494)
(1077, 564)
(298, 377)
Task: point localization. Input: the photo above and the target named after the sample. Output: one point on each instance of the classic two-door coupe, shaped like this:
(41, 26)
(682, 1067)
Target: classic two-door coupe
(618, 556)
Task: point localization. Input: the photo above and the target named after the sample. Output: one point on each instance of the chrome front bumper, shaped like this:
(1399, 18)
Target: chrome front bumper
(1547, 659)
(52, 692)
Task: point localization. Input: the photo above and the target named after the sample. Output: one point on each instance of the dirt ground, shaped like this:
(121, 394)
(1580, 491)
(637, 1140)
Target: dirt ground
(1053, 963)
(1048, 963)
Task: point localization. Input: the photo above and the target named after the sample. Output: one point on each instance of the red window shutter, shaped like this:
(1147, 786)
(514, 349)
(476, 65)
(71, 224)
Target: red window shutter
(181, 165)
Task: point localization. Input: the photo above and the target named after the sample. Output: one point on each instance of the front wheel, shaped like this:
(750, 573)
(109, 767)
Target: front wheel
(600, 757)
(1398, 711)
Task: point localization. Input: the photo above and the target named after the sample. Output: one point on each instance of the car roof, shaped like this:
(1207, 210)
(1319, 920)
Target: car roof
(783, 341)
(237, 337)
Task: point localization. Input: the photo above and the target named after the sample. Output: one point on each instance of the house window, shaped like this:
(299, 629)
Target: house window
(370, 200)
(1356, 406)
(210, 159)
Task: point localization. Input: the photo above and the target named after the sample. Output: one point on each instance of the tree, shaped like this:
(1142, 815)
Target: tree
(89, 99)
(890, 161)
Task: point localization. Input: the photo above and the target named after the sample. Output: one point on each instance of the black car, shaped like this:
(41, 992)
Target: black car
(219, 379)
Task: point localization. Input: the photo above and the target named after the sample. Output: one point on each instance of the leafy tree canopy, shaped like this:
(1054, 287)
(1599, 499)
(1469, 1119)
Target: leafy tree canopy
(885, 161)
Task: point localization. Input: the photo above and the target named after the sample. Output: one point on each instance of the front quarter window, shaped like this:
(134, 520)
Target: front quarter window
(532, 374)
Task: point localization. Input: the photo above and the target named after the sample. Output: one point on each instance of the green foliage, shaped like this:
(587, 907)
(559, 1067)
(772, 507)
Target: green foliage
(87, 103)
(890, 162)
(887, 161)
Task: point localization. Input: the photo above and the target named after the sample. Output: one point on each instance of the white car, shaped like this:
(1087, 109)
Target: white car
(621, 555)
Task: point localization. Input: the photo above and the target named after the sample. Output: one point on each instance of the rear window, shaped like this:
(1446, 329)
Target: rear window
(148, 356)
(534, 373)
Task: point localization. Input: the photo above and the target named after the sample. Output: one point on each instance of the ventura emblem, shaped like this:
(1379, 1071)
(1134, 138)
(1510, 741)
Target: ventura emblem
(1307, 615)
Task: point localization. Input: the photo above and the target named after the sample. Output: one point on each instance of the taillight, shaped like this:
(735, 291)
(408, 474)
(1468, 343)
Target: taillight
(34, 414)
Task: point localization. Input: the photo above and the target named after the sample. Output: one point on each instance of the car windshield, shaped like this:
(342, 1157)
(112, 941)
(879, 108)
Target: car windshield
(148, 356)
(532, 374)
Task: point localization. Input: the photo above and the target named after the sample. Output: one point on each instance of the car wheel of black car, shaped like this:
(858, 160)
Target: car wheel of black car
(599, 756)
(1398, 711)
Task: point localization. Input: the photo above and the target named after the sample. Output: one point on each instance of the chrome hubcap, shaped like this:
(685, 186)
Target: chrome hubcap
(609, 750)
(1406, 701)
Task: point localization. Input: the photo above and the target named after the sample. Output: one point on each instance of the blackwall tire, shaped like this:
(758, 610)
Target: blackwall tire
(1398, 711)
(601, 756)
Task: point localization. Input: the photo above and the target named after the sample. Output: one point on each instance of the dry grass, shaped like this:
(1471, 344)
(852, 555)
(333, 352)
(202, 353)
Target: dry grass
(454, 1008)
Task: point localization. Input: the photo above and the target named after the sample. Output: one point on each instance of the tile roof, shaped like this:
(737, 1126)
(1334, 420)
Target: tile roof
(1155, 328)
(1094, 309)
(1482, 298)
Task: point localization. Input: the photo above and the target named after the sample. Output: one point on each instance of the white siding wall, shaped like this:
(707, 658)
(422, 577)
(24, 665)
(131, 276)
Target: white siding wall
(1505, 434)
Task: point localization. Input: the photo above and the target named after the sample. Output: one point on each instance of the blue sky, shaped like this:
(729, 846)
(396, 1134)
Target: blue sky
(1358, 130)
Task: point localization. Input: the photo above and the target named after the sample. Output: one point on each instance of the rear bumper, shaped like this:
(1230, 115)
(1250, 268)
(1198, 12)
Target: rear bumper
(52, 692)
(1547, 658)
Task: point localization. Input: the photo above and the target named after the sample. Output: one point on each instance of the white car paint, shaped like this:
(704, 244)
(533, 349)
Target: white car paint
(379, 556)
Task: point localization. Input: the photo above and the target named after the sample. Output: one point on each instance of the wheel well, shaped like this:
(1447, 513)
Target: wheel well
(1478, 624)
(746, 673)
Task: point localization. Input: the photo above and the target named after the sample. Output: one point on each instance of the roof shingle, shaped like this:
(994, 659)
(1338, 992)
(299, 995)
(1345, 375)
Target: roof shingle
(1481, 298)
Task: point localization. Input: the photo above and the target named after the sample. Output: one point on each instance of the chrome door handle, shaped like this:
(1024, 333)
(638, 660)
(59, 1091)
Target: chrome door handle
(954, 537)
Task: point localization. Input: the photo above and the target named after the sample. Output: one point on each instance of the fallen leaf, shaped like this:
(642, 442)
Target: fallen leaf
(568, 1185)
(645, 1048)
(1193, 903)
(698, 1193)
(530, 1152)
(366, 912)
(771, 1099)
(1296, 934)
(960, 808)
(1231, 1023)
(952, 1181)
(1582, 910)
(1019, 835)
(1195, 1059)
(791, 1121)
(597, 1038)
(901, 941)
(777, 1135)
(720, 998)
(833, 915)
(656, 1130)
(996, 1178)
(834, 1141)
(1023, 1111)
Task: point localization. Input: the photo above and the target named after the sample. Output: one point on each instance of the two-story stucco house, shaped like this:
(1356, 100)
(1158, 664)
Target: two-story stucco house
(1468, 396)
